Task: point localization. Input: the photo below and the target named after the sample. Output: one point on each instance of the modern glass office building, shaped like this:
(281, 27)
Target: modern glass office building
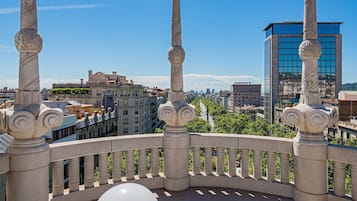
(283, 66)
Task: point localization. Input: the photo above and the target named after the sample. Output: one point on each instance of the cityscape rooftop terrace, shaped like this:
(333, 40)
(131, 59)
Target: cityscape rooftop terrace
(182, 176)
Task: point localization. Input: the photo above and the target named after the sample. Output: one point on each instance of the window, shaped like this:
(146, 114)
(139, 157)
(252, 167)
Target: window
(125, 130)
(56, 135)
(125, 112)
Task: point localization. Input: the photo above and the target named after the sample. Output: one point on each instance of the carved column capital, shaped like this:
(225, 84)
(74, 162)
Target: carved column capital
(24, 124)
(310, 119)
(176, 115)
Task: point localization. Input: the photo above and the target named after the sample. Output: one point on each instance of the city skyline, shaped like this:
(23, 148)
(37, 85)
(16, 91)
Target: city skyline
(133, 37)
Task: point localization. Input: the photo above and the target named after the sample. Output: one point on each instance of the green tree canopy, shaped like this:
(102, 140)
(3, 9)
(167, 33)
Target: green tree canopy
(231, 123)
(198, 126)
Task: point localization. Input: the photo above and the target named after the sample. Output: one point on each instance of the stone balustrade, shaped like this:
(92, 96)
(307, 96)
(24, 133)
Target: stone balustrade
(80, 169)
(341, 156)
(236, 161)
(228, 161)
(94, 168)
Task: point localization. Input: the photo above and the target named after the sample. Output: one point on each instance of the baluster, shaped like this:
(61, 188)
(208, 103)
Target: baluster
(354, 181)
(73, 174)
(196, 160)
(284, 168)
(245, 163)
(142, 163)
(339, 178)
(208, 160)
(155, 162)
(220, 161)
(57, 178)
(129, 164)
(116, 172)
(271, 166)
(257, 158)
(232, 161)
(103, 168)
(88, 171)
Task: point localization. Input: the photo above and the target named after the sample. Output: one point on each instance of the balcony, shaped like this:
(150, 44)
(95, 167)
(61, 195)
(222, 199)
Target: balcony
(176, 165)
(221, 167)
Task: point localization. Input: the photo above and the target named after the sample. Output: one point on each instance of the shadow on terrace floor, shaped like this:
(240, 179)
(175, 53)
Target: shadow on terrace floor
(214, 194)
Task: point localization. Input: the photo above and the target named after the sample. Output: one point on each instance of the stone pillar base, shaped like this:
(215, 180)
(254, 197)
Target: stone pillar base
(177, 184)
(310, 167)
(28, 178)
(176, 149)
(304, 196)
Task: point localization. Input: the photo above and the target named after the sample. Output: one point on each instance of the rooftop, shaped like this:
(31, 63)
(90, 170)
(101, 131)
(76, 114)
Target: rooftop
(215, 194)
(176, 164)
(295, 22)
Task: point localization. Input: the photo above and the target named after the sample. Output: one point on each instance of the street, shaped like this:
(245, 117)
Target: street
(205, 116)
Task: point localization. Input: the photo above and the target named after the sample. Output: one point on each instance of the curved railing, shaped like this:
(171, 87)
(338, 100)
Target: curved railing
(242, 162)
(216, 160)
(85, 169)
(344, 160)
(347, 124)
(129, 157)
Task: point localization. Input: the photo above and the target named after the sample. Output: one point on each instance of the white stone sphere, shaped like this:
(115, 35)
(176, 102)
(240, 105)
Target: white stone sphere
(128, 192)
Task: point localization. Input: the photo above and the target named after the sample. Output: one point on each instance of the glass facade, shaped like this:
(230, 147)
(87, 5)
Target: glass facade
(282, 52)
(267, 89)
(297, 29)
(290, 67)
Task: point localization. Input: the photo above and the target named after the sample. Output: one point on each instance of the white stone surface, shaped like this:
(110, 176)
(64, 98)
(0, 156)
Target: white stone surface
(311, 118)
(176, 113)
(29, 119)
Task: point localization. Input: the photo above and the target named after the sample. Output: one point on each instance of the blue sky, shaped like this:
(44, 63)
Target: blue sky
(223, 39)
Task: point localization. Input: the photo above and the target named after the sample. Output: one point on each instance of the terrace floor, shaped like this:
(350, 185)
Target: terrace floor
(214, 194)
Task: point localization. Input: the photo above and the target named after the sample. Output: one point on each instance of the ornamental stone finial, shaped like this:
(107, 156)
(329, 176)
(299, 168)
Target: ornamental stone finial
(176, 112)
(176, 55)
(310, 116)
(29, 118)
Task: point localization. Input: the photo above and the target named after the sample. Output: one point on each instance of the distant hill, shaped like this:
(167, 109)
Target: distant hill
(349, 86)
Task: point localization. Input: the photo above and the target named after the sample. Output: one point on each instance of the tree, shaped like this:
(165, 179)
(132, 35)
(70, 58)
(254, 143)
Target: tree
(258, 127)
(231, 123)
(279, 130)
(196, 102)
(159, 130)
(199, 126)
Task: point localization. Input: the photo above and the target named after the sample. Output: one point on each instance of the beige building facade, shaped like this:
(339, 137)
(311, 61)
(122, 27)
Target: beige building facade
(136, 109)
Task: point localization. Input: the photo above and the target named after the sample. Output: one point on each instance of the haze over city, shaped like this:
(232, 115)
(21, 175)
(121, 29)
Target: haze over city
(223, 42)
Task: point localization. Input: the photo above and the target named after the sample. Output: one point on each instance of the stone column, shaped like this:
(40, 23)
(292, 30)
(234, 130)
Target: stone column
(29, 119)
(311, 118)
(176, 113)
